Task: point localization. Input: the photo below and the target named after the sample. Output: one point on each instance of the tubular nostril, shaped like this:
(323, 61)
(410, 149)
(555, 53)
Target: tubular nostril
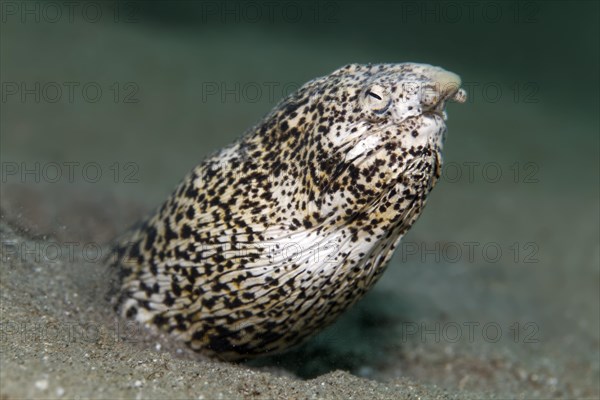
(444, 86)
(460, 96)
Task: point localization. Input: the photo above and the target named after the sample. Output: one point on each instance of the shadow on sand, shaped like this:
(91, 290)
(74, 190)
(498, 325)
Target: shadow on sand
(359, 342)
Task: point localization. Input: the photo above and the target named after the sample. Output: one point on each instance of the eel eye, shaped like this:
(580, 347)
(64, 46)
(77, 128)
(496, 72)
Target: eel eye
(377, 99)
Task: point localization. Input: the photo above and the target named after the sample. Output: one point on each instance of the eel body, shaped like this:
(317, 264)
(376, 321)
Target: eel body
(271, 238)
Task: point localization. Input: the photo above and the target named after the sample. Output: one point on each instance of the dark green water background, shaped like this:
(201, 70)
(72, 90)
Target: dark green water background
(531, 69)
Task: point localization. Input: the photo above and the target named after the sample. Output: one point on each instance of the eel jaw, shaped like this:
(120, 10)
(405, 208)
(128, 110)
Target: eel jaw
(446, 88)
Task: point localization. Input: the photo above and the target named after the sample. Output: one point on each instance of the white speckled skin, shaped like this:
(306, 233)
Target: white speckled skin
(270, 239)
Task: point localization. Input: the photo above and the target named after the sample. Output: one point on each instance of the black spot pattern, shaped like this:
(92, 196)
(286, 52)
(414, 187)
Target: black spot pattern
(271, 238)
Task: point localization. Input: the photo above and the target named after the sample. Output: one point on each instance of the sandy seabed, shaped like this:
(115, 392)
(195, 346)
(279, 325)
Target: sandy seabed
(60, 338)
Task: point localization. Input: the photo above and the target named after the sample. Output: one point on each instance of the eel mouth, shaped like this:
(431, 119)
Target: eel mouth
(446, 87)
(439, 109)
